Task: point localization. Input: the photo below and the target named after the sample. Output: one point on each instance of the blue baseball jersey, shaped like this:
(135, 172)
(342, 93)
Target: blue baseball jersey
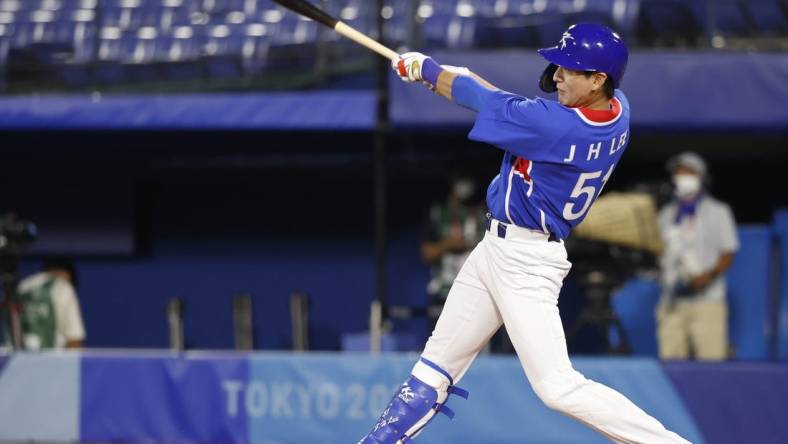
(556, 161)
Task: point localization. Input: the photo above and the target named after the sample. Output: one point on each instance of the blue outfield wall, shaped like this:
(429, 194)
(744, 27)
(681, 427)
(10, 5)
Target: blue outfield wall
(656, 81)
(286, 398)
(666, 89)
(345, 110)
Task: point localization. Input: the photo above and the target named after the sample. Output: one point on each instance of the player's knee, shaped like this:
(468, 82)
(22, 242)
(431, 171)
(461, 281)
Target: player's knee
(556, 390)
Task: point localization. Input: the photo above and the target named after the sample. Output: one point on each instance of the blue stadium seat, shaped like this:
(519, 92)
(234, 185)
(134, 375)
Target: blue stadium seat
(492, 8)
(71, 5)
(669, 23)
(222, 50)
(219, 6)
(122, 17)
(428, 8)
(114, 43)
(732, 18)
(396, 27)
(32, 27)
(144, 47)
(78, 29)
(448, 31)
(5, 45)
(590, 11)
(255, 48)
(295, 29)
(769, 16)
(169, 17)
(182, 44)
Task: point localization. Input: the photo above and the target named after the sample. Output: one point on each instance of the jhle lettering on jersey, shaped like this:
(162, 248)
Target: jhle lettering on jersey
(594, 149)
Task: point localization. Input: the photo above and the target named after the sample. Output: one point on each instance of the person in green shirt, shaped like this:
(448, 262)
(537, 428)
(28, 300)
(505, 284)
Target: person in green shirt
(50, 313)
(451, 231)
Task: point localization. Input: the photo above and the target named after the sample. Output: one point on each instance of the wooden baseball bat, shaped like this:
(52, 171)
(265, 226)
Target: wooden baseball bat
(309, 10)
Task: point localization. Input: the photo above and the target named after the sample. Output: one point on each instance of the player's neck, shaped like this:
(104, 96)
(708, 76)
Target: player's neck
(599, 103)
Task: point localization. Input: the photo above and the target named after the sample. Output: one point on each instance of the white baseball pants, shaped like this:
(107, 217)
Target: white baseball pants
(515, 281)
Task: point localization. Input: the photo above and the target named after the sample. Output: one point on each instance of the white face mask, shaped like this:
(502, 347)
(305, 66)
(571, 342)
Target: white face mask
(687, 185)
(463, 189)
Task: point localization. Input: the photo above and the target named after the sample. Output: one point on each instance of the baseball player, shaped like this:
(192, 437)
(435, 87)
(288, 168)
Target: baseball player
(557, 157)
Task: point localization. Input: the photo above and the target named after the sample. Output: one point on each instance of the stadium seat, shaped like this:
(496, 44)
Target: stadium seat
(397, 27)
(295, 29)
(491, 8)
(79, 30)
(770, 17)
(731, 17)
(32, 27)
(5, 41)
(589, 11)
(448, 31)
(222, 51)
(668, 23)
(224, 6)
(122, 17)
(114, 42)
(182, 44)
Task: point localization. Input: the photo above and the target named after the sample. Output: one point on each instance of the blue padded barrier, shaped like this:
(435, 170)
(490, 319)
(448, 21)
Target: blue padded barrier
(780, 228)
(748, 294)
(748, 301)
(735, 402)
(634, 305)
(278, 398)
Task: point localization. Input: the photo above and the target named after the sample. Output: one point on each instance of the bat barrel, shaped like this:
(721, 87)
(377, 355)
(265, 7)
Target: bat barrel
(366, 41)
(309, 10)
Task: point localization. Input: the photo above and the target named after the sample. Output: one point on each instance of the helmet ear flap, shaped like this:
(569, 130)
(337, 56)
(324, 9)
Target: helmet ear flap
(546, 82)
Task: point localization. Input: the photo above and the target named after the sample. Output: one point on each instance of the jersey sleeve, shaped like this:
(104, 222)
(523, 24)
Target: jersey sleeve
(516, 124)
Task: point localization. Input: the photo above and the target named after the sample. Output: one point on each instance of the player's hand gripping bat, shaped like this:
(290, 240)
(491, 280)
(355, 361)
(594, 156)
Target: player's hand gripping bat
(309, 10)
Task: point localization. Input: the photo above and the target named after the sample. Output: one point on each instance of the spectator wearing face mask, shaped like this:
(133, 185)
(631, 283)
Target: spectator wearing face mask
(699, 233)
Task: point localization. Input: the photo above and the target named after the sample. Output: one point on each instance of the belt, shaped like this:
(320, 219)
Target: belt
(509, 231)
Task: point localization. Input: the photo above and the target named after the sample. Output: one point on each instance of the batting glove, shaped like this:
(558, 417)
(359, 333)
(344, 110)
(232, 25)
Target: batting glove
(409, 65)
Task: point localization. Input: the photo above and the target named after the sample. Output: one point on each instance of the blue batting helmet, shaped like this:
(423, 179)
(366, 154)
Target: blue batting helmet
(586, 47)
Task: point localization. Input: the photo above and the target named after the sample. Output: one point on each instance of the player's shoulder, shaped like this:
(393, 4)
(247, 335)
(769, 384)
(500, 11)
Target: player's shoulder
(622, 98)
(537, 104)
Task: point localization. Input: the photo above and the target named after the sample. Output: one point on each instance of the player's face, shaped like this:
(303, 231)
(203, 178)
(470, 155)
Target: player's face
(575, 88)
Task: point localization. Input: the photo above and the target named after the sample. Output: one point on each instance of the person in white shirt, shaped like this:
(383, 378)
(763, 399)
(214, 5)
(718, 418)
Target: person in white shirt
(699, 233)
